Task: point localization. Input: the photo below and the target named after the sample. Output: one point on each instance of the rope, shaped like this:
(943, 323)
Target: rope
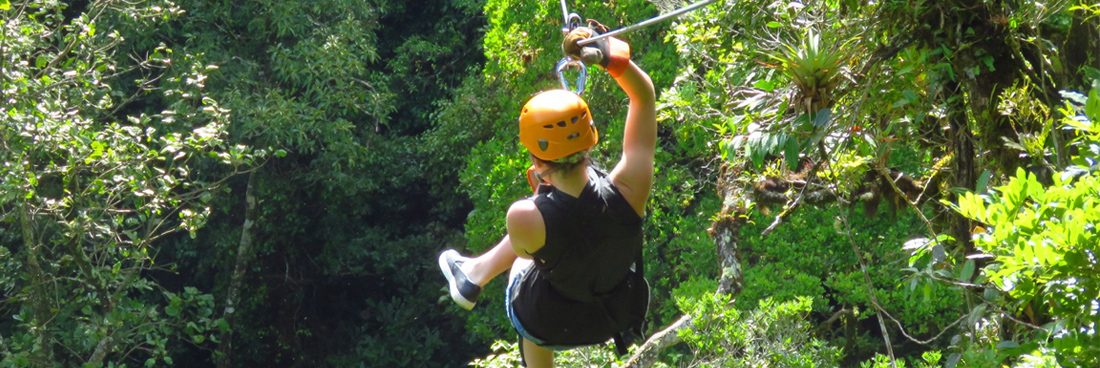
(648, 22)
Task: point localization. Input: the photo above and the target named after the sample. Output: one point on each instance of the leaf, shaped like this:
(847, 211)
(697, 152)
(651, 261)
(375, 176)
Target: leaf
(1092, 107)
(172, 310)
(774, 24)
(967, 271)
(755, 149)
(757, 155)
(1074, 97)
(915, 243)
(790, 153)
(772, 143)
(1079, 123)
(953, 360)
(41, 61)
(972, 206)
(988, 61)
(938, 253)
(5, 5)
(822, 118)
(983, 181)
(764, 85)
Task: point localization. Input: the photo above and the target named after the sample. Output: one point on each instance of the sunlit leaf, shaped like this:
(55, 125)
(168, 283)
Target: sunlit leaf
(1092, 106)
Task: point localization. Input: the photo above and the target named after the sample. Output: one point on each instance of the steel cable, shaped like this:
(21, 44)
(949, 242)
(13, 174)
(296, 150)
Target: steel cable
(635, 26)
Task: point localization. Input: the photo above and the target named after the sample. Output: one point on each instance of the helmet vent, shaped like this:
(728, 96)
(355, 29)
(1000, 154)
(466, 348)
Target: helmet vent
(574, 121)
(583, 114)
(543, 144)
(548, 126)
(573, 136)
(561, 123)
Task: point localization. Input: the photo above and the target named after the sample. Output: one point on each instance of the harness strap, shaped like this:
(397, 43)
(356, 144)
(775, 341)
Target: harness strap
(623, 339)
(522, 358)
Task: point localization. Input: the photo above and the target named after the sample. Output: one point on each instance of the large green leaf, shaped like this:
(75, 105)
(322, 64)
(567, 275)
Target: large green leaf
(1092, 106)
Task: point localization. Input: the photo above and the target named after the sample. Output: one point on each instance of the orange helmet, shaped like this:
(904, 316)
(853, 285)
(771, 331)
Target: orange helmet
(555, 124)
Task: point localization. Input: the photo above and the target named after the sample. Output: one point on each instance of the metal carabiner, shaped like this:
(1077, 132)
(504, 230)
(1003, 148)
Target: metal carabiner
(572, 21)
(582, 74)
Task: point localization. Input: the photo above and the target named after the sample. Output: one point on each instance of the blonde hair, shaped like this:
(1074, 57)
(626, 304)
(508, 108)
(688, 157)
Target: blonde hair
(566, 164)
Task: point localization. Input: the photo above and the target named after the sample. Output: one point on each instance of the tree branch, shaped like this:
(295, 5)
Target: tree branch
(724, 231)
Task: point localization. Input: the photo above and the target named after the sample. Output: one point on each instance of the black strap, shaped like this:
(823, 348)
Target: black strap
(522, 359)
(623, 339)
(621, 344)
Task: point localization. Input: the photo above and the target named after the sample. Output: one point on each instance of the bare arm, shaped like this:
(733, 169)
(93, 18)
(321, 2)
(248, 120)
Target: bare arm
(525, 228)
(633, 175)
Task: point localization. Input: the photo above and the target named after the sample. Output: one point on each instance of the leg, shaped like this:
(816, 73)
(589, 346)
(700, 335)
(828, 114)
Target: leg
(487, 266)
(467, 276)
(533, 356)
(536, 356)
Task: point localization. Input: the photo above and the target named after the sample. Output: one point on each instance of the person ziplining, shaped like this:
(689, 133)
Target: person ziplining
(575, 246)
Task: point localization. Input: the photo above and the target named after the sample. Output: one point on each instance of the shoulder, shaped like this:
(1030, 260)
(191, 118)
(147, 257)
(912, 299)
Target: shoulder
(525, 227)
(635, 191)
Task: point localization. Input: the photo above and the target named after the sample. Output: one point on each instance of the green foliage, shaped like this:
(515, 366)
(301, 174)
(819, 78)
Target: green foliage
(187, 86)
(771, 334)
(123, 126)
(813, 66)
(506, 355)
(1043, 242)
(929, 359)
(91, 186)
(811, 257)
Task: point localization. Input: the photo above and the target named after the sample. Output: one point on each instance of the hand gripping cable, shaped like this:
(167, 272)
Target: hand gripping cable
(573, 20)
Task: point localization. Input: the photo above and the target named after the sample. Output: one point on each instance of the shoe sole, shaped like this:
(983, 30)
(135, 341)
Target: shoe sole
(452, 284)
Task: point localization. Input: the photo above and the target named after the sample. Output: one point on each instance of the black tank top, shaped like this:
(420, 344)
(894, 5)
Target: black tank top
(578, 290)
(591, 240)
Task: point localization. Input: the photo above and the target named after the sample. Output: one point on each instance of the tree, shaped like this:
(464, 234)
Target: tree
(324, 262)
(89, 190)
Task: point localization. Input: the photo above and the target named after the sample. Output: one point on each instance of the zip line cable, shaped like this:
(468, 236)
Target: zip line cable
(564, 14)
(572, 20)
(650, 21)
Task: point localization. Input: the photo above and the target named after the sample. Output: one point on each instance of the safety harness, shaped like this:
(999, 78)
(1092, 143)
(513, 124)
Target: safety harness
(587, 284)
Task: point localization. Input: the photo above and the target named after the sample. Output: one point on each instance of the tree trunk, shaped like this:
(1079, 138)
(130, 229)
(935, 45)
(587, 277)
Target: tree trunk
(724, 232)
(964, 168)
(244, 255)
(42, 353)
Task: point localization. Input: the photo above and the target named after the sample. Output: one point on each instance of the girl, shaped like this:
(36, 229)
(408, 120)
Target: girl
(574, 245)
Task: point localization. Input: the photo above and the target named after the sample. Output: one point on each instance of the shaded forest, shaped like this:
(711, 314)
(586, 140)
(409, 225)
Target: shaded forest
(268, 184)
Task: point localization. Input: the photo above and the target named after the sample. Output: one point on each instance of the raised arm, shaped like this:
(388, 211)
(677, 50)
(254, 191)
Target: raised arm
(633, 175)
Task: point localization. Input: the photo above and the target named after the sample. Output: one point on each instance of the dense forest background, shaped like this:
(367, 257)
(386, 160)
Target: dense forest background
(268, 183)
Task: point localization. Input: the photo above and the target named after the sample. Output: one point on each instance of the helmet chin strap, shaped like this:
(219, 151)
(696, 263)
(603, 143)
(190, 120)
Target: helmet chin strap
(534, 179)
